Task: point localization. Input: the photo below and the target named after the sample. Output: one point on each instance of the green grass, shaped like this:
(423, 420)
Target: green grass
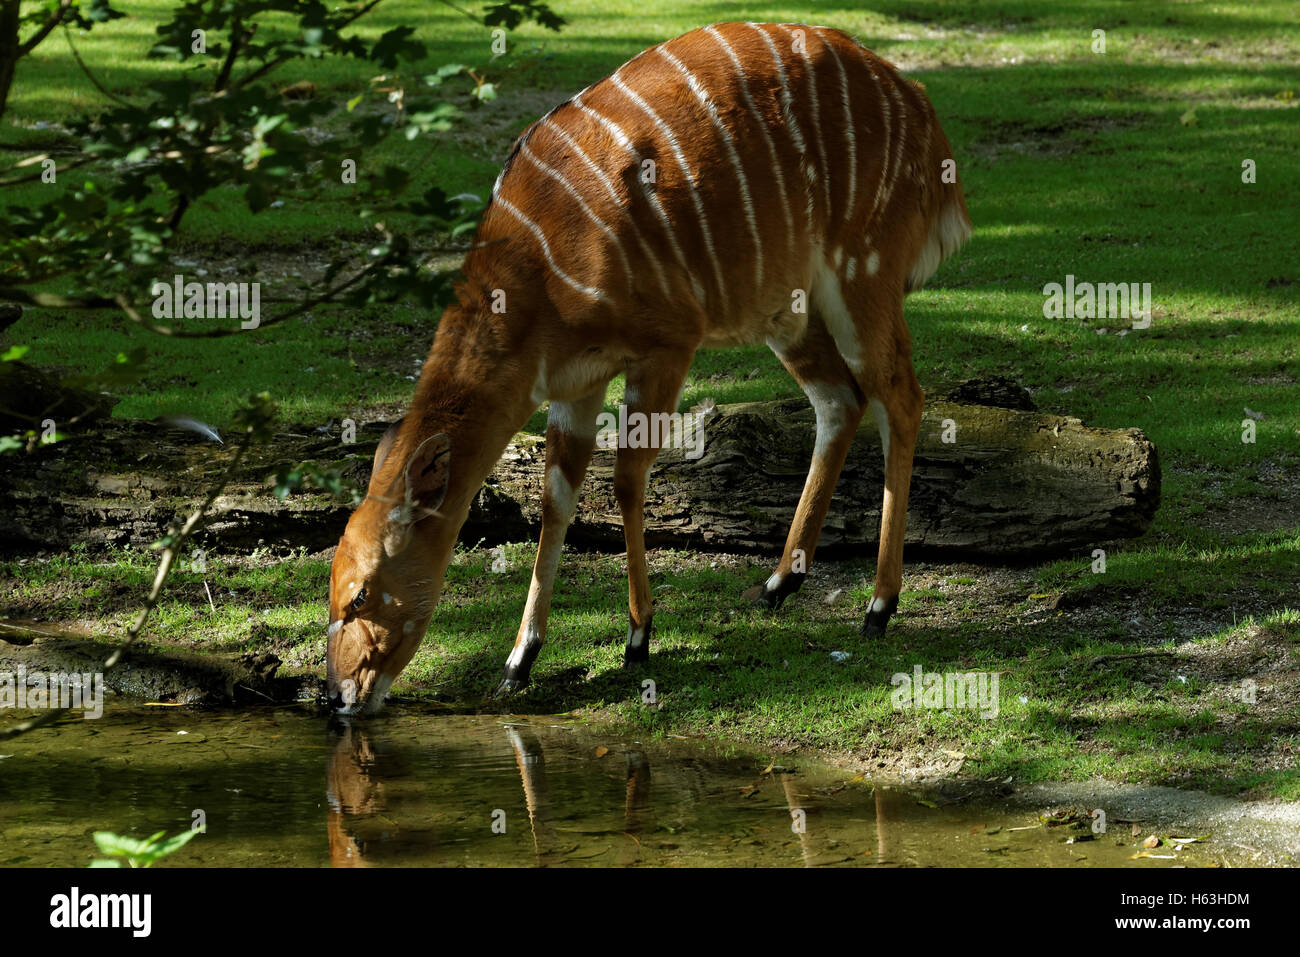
(724, 668)
(1125, 167)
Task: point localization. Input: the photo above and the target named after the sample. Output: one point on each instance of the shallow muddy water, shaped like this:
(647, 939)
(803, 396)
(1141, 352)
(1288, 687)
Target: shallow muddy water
(288, 787)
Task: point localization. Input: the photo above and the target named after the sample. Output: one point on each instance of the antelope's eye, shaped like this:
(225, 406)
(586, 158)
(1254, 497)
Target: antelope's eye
(359, 601)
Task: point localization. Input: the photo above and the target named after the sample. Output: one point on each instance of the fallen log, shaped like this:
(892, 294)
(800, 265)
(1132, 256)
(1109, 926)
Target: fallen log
(988, 481)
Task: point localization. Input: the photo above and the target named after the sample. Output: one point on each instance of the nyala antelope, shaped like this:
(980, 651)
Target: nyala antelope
(695, 197)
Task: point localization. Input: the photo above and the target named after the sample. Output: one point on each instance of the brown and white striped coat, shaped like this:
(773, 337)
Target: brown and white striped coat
(693, 198)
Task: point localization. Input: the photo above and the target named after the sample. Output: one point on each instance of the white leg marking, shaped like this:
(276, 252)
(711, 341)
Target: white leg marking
(570, 419)
(562, 494)
(850, 269)
(635, 636)
(546, 251)
(702, 96)
(532, 638)
(873, 263)
(882, 423)
(831, 402)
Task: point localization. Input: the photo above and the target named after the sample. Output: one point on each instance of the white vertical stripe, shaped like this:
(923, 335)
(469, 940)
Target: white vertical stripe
(786, 111)
(767, 134)
(601, 175)
(814, 101)
(624, 141)
(848, 129)
(888, 124)
(746, 199)
(686, 172)
(546, 251)
(900, 142)
(556, 175)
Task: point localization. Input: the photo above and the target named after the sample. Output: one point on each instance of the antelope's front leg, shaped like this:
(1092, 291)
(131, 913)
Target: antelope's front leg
(570, 438)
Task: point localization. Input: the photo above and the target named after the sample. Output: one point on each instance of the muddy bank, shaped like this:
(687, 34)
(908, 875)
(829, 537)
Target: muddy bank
(153, 672)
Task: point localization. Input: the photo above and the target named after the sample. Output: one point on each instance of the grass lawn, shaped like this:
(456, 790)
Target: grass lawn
(1122, 167)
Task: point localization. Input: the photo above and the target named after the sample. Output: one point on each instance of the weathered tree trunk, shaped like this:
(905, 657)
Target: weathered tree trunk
(988, 481)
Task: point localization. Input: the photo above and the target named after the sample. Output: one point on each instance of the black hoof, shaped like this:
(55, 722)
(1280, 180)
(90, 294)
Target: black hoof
(638, 653)
(877, 620)
(510, 686)
(774, 598)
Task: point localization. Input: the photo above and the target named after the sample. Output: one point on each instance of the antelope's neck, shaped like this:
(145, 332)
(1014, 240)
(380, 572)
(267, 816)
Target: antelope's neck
(476, 387)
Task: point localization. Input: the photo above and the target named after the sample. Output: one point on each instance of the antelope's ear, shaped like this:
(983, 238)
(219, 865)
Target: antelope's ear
(386, 443)
(419, 490)
(427, 472)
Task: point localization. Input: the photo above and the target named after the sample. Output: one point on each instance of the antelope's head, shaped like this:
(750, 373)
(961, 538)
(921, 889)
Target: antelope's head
(387, 573)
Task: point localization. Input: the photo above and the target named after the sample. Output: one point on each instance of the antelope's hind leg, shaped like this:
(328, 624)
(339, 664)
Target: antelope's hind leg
(837, 400)
(570, 439)
(897, 402)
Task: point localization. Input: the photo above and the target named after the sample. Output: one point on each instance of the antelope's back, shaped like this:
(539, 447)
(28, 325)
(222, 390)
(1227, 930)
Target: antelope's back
(722, 169)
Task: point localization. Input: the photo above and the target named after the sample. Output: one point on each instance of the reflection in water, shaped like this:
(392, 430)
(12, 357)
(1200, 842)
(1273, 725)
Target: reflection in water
(420, 788)
(359, 831)
(532, 772)
(362, 831)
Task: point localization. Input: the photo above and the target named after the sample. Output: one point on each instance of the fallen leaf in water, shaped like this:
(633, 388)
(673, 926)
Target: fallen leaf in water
(1151, 841)
(768, 769)
(1157, 857)
(602, 751)
(978, 827)
(1135, 831)
(1188, 840)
